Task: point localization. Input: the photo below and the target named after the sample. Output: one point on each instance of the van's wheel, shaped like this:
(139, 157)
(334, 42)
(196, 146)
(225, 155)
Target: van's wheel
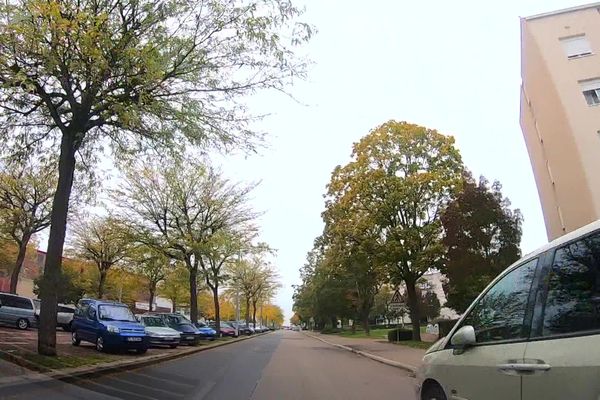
(22, 324)
(142, 350)
(75, 341)
(173, 346)
(100, 344)
(433, 392)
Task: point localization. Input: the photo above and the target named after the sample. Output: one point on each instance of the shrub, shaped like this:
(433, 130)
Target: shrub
(396, 335)
(330, 330)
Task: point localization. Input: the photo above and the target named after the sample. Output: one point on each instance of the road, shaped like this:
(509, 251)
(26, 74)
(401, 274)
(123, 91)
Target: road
(282, 365)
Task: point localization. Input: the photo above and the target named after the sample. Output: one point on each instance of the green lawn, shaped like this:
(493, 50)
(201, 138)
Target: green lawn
(66, 361)
(414, 344)
(374, 334)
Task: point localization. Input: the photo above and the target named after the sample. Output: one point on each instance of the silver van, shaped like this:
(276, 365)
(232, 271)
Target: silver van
(17, 311)
(532, 334)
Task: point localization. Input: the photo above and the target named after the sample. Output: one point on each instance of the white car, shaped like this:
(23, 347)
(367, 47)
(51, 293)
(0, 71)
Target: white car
(533, 333)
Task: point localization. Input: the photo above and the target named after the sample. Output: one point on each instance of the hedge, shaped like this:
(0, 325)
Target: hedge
(396, 335)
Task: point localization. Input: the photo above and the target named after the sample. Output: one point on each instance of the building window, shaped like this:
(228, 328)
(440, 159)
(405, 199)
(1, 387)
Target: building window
(576, 46)
(591, 91)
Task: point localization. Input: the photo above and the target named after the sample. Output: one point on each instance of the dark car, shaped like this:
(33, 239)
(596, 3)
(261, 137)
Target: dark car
(109, 325)
(189, 333)
(243, 328)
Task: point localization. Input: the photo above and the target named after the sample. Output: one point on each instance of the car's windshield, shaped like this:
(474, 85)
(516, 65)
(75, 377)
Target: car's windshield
(152, 321)
(115, 313)
(177, 320)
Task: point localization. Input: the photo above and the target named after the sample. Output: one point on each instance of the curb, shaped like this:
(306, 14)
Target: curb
(73, 374)
(410, 368)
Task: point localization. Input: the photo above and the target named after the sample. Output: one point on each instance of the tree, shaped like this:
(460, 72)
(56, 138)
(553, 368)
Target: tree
(272, 315)
(264, 288)
(482, 235)
(224, 246)
(138, 74)
(399, 180)
(103, 241)
(150, 264)
(295, 320)
(430, 305)
(26, 192)
(175, 286)
(191, 213)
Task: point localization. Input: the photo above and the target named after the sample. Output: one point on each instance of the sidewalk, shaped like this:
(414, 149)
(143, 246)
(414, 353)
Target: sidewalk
(408, 356)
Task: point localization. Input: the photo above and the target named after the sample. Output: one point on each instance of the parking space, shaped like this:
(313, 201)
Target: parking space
(24, 344)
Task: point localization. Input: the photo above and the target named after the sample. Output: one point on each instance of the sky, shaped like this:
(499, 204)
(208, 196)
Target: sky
(452, 66)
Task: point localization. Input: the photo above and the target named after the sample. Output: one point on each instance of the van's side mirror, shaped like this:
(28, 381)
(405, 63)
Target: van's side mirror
(464, 338)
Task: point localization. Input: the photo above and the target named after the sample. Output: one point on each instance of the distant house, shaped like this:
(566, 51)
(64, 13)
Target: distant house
(32, 268)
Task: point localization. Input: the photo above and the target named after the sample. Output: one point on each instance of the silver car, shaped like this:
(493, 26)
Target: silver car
(17, 311)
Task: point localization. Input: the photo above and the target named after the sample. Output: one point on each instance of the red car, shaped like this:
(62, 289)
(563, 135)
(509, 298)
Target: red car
(226, 329)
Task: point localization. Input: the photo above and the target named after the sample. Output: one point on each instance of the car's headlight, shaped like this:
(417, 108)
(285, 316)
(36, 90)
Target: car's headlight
(112, 329)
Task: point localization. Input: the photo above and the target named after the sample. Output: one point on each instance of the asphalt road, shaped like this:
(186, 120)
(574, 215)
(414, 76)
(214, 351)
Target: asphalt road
(281, 366)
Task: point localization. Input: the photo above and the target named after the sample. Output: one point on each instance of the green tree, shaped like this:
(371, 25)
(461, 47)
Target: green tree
(482, 235)
(399, 180)
(103, 241)
(26, 192)
(175, 286)
(191, 213)
(430, 305)
(150, 264)
(138, 74)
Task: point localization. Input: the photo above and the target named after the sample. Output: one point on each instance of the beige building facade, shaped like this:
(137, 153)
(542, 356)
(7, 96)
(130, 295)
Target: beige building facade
(560, 113)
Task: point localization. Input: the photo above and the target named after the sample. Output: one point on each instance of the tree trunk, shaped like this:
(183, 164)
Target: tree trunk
(413, 306)
(173, 304)
(254, 314)
(194, 293)
(56, 241)
(248, 310)
(151, 290)
(365, 322)
(215, 290)
(101, 283)
(14, 276)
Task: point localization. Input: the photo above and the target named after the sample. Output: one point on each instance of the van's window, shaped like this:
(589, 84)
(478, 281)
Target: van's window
(65, 310)
(115, 313)
(18, 302)
(573, 301)
(500, 313)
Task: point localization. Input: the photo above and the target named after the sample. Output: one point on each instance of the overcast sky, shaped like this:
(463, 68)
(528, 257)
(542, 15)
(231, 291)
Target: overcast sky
(449, 65)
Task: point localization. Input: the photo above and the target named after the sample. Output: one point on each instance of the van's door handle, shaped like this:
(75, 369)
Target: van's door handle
(524, 368)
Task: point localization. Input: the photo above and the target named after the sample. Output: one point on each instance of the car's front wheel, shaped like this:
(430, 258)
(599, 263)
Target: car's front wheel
(173, 346)
(142, 350)
(433, 392)
(22, 324)
(75, 341)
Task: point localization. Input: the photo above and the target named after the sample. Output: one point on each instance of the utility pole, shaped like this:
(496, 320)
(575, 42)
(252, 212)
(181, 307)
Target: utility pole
(237, 302)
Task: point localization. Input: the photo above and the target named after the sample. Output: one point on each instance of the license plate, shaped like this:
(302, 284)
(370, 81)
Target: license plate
(189, 338)
(134, 339)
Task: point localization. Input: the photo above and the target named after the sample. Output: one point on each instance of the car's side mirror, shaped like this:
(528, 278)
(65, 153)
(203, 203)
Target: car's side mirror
(463, 338)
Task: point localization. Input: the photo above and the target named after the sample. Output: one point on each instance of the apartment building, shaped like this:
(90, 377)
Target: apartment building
(560, 113)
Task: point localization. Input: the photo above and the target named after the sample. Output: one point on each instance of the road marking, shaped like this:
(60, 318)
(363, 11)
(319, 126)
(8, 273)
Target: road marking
(145, 386)
(206, 388)
(112, 389)
(160, 379)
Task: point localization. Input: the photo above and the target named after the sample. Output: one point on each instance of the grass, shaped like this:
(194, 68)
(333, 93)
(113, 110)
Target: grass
(374, 334)
(65, 361)
(414, 344)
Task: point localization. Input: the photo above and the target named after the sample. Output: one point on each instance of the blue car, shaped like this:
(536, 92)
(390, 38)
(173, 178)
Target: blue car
(108, 325)
(205, 331)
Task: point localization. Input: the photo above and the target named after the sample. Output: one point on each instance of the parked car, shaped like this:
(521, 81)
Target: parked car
(17, 311)
(189, 334)
(109, 325)
(159, 334)
(243, 328)
(226, 328)
(206, 332)
(530, 334)
(64, 316)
